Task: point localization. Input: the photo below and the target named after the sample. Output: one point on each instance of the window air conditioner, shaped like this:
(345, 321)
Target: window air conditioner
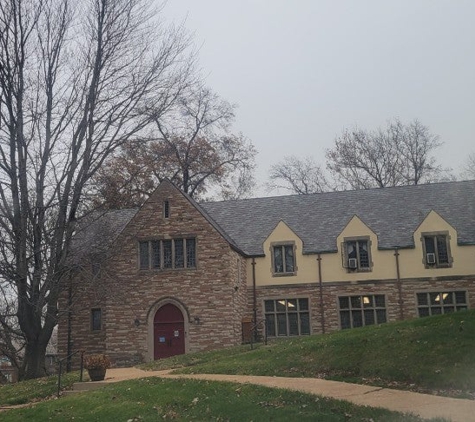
(430, 258)
(352, 263)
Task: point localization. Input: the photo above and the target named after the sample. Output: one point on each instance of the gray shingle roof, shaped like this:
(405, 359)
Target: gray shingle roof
(392, 213)
(96, 232)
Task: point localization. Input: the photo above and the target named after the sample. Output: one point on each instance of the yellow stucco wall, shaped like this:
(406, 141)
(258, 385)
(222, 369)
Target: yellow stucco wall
(384, 263)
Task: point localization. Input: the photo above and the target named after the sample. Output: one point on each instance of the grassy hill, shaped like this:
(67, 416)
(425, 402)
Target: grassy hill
(434, 354)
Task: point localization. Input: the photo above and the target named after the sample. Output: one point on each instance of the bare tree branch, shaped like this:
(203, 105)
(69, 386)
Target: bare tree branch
(75, 78)
(397, 155)
(300, 176)
(194, 148)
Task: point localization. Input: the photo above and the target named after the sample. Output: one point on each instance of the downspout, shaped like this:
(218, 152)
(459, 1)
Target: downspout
(254, 298)
(320, 284)
(399, 285)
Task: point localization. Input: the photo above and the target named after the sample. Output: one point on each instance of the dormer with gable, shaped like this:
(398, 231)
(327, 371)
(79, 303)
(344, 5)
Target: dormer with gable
(284, 261)
(436, 252)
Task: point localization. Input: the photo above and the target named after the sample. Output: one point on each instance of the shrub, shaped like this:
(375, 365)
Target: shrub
(98, 361)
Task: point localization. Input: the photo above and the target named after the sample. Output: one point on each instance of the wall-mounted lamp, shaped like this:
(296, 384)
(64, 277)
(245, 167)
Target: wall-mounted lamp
(137, 322)
(196, 320)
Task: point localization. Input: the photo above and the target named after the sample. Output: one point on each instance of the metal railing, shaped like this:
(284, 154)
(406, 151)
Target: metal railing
(254, 332)
(60, 369)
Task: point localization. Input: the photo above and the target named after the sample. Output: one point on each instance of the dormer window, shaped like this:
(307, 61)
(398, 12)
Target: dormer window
(283, 259)
(166, 209)
(436, 248)
(356, 254)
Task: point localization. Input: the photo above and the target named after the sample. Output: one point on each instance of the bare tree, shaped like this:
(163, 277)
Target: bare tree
(194, 148)
(468, 171)
(396, 155)
(74, 84)
(300, 176)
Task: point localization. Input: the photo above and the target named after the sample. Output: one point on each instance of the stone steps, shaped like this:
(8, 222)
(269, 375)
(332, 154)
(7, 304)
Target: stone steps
(81, 387)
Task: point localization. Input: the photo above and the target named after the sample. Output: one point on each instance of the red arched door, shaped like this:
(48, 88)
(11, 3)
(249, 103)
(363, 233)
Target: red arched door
(169, 332)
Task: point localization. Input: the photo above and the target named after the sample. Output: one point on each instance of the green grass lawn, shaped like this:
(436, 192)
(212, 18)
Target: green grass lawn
(34, 390)
(436, 353)
(153, 399)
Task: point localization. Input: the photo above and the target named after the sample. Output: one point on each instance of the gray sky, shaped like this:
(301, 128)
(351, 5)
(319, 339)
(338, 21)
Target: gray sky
(301, 71)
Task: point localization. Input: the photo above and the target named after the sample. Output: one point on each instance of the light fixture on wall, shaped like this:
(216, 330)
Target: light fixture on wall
(137, 322)
(196, 320)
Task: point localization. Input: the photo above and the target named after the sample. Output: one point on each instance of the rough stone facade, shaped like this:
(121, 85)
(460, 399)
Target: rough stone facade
(212, 295)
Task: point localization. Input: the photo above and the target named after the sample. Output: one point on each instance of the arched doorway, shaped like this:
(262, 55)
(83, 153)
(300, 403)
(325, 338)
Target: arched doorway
(168, 332)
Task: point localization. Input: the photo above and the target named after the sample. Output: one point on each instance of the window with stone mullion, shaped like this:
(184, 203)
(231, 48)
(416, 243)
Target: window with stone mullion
(287, 317)
(284, 261)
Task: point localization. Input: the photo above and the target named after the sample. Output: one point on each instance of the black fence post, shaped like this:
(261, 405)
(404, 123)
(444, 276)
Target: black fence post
(59, 377)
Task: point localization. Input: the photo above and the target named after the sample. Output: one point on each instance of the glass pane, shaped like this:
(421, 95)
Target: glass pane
(292, 305)
(460, 297)
(289, 259)
(381, 316)
(280, 304)
(351, 249)
(270, 325)
(363, 251)
(344, 302)
(190, 253)
(442, 253)
(448, 309)
(269, 305)
(368, 301)
(345, 319)
(356, 302)
(304, 323)
(380, 301)
(96, 319)
(369, 317)
(435, 298)
(167, 254)
(293, 324)
(303, 304)
(357, 319)
(430, 244)
(179, 256)
(281, 325)
(423, 312)
(447, 297)
(278, 262)
(461, 308)
(422, 299)
(144, 259)
(436, 310)
(156, 254)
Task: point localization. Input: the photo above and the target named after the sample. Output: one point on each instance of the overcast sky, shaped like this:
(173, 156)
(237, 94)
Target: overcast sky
(302, 71)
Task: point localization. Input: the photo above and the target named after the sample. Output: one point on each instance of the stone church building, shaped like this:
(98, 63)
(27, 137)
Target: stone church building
(177, 277)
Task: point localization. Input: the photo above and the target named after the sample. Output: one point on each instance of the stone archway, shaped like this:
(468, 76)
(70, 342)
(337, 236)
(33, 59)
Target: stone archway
(167, 323)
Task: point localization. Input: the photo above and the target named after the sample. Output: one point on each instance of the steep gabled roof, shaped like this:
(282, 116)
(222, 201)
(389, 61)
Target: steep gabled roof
(392, 213)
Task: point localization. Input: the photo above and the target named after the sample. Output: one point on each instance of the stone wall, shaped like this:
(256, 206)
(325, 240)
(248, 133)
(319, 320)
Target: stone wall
(212, 296)
(388, 288)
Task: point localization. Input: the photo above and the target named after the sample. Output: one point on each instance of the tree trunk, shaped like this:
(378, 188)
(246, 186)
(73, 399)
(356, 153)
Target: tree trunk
(34, 362)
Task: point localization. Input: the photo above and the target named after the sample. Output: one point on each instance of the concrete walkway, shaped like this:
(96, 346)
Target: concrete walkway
(424, 405)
